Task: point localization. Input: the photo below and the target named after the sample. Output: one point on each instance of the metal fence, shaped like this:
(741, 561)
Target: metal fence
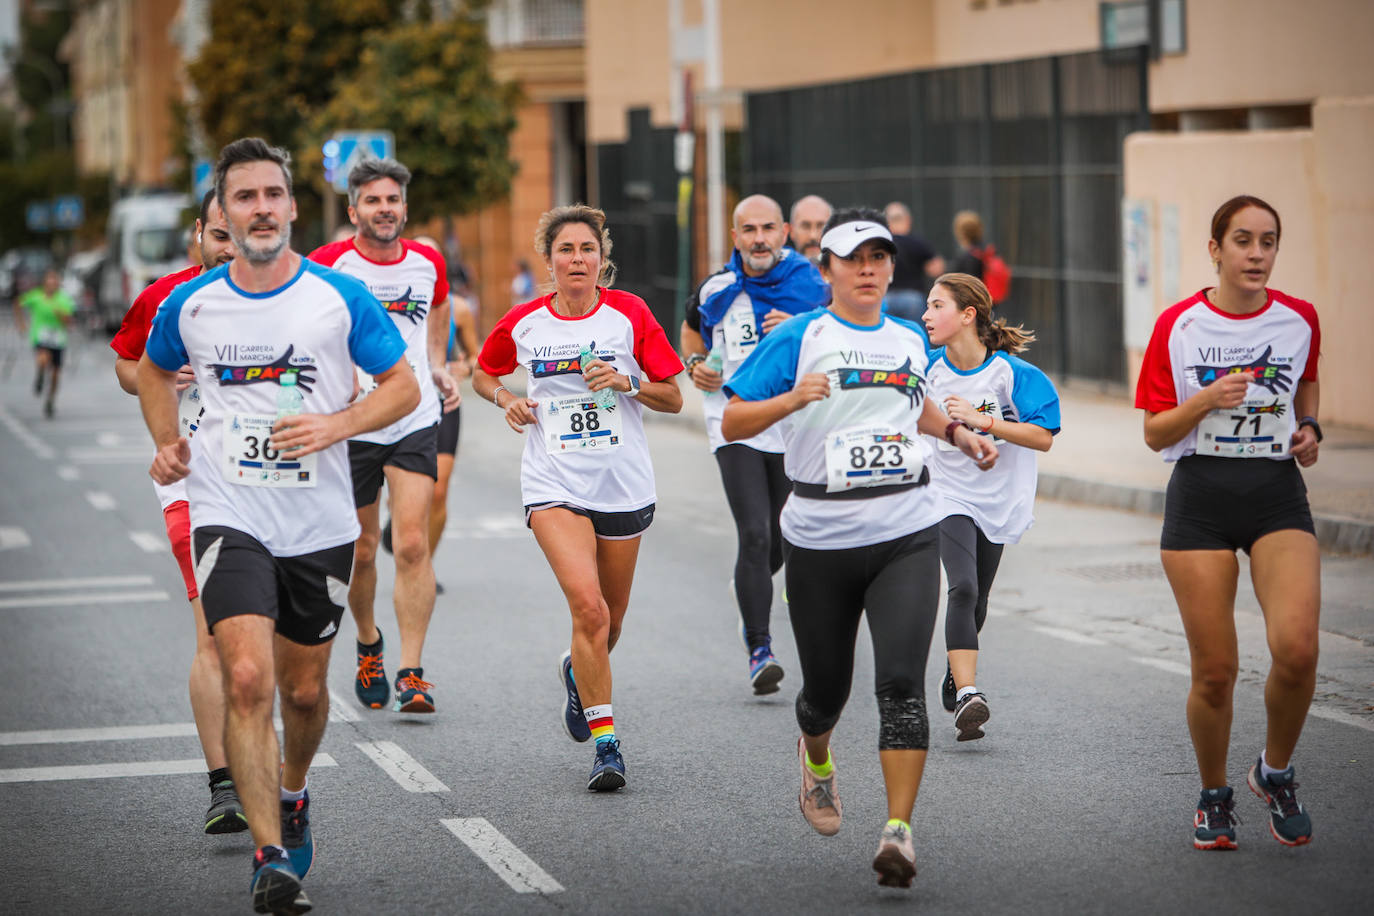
(1034, 146)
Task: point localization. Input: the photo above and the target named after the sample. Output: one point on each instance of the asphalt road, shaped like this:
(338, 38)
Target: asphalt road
(1079, 800)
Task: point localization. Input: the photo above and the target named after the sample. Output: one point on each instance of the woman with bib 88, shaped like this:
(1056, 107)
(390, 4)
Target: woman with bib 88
(861, 527)
(585, 477)
(1229, 389)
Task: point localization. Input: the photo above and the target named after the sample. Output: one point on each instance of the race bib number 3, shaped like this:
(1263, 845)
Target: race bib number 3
(870, 457)
(1257, 428)
(249, 459)
(576, 424)
(741, 333)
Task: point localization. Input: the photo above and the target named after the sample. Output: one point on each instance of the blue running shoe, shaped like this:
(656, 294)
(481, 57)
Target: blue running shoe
(275, 887)
(608, 772)
(1288, 820)
(295, 834)
(764, 670)
(574, 721)
(370, 682)
(413, 691)
(1214, 825)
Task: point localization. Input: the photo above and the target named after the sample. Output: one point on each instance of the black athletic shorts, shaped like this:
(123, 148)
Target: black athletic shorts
(612, 526)
(417, 452)
(448, 432)
(1229, 503)
(54, 354)
(306, 595)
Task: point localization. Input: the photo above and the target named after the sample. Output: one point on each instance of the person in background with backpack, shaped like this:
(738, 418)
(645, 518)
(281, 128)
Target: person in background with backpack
(979, 260)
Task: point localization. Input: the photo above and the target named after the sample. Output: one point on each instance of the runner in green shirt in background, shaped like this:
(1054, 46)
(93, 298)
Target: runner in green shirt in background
(50, 312)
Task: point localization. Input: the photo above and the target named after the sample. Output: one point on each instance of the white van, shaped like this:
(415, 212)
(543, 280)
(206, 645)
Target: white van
(146, 238)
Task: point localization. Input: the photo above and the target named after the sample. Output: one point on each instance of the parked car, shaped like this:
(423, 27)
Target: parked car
(146, 238)
(21, 269)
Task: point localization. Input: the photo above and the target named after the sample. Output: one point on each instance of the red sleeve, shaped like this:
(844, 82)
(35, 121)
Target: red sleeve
(132, 338)
(440, 268)
(498, 356)
(328, 254)
(653, 352)
(1309, 313)
(1155, 389)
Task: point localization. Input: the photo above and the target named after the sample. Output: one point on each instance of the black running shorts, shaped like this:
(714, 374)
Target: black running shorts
(448, 432)
(1229, 503)
(306, 595)
(416, 452)
(611, 526)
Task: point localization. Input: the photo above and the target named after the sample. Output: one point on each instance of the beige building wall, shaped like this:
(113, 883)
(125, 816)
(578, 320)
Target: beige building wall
(1243, 53)
(1320, 182)
(965, 32)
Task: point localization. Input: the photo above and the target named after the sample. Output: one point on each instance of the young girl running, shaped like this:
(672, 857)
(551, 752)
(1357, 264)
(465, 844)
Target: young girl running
(978, 380)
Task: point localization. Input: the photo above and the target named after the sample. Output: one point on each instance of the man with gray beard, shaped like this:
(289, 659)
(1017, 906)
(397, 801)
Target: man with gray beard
(763, 285)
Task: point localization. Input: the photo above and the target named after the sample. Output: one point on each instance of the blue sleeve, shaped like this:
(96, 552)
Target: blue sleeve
(771, 369)
(373, 341)
(1034, 396)
(165, 347)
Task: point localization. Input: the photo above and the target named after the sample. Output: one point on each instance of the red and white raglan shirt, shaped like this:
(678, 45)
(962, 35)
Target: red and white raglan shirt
(408, 288)
(130, 343)
(1194, 343)
(578, 453)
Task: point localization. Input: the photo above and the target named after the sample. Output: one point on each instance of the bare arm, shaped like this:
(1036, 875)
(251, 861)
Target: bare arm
(519, 411)
(743, 419)
(1305, 403)
(437, 340)
(126, 371)
(157, 397)
(934, 422)
(1024, 434)
(397, 394)
(662, 396)
(466, 321)
(1167, 427)
(699, 375)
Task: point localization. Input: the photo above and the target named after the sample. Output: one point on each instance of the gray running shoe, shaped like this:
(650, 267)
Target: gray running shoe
(1289, 821)
(969, 715)
(225, 814)
(819, 798)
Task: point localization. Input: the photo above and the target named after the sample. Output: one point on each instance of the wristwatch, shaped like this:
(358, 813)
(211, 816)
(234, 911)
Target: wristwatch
(634, 387)
(1312, 422)
(693, 359)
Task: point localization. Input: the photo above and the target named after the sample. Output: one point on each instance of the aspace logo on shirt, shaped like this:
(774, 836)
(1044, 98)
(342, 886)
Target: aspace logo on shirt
(1272, 373)
(545, 364)
(902, 380)
(243, 371)
(406, 305)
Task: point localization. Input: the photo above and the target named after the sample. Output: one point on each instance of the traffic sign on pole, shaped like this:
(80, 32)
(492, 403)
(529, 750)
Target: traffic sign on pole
(68, 212)
(38, 216)
(345, 149)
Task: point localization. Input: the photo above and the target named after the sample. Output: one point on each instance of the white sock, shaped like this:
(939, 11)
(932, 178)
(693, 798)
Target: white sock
(288, 796)
(1266, 770)
(965, 691)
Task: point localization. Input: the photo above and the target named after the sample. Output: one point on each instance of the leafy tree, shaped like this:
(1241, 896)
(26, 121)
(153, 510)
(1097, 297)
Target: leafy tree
(431, 85)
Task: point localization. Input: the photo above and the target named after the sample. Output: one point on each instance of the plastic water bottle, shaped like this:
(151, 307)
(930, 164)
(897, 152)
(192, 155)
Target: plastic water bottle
(714, 361)
(290, 401)
(605, 398)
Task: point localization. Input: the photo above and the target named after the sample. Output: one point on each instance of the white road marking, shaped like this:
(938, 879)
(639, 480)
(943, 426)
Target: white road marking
(1345, 718)
(44, 585)
(502, 856)
(408, 772)
(1069, 635)
(10, 538)
(67, 472)
(1164, 664)
(340, 710)
(107, 439)
(108, 733)
(84, 598)
(21, 432)
(148, 541)
(116, 770)
(101, 500)
(488, 526)
(124, 455)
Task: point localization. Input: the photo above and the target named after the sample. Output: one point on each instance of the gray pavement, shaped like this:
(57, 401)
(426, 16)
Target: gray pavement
(1079, 800)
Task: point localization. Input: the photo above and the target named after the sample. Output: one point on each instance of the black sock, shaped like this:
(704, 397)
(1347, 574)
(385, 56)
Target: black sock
(371, 648)
(220, 775)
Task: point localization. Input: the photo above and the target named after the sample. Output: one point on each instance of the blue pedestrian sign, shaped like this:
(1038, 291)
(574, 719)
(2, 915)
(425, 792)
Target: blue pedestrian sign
(68, 212)
(38, 216)
(345, 149)
(202, 178)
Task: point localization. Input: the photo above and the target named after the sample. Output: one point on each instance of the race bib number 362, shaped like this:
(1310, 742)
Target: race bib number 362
(576, 424)
(870, 457)
(1258, 428)
(249, 459)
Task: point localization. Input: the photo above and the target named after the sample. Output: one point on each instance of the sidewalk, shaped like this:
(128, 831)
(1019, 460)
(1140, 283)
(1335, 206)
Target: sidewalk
(1100, 458)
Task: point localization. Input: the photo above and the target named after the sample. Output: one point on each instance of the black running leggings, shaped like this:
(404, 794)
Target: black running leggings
(971, 562)
(897, 584)
(755, 487)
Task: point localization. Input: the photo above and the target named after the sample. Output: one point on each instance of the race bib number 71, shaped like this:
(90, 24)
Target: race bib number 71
(1258, 428)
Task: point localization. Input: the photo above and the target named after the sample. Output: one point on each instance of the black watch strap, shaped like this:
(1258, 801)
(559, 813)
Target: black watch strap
(1312, 422)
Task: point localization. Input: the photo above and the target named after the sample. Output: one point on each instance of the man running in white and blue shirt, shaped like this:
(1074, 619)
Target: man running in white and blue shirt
(269, 486)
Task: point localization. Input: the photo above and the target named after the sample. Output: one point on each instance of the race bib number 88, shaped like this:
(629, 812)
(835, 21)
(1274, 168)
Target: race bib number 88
(870, 457)
(249, 459)
(576, 424)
